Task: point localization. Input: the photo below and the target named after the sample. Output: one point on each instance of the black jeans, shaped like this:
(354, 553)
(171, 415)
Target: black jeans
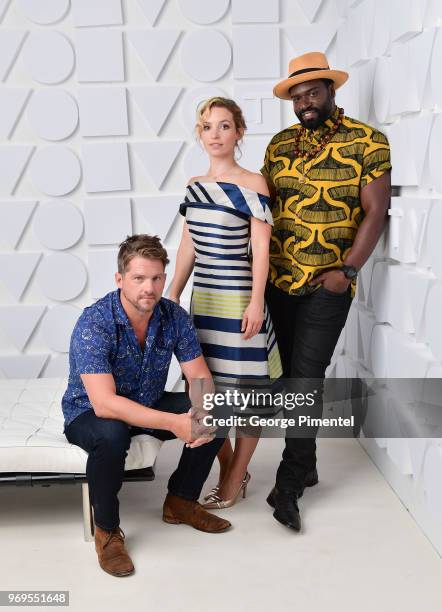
(107, 442)
(307, 329)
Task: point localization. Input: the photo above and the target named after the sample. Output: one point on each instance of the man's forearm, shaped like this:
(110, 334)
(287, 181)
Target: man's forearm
(366, 239)
(117, 407)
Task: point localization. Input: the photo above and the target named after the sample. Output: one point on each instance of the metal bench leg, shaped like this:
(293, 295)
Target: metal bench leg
(88, 516)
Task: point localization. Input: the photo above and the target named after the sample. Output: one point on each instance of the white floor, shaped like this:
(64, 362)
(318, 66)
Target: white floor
(359, 548)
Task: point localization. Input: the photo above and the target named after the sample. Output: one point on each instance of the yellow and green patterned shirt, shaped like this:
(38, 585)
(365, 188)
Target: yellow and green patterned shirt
(315, 222)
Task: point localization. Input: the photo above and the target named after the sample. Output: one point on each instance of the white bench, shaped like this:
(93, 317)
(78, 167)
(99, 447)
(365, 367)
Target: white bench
(35, 451)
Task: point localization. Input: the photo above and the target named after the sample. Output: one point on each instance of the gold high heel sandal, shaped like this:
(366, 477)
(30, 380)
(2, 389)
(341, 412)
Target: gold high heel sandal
(214, 501)
(213, 491)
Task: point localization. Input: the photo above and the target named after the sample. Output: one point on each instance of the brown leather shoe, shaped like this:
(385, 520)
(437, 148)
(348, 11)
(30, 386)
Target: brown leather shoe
(112, 554)
(179, 510)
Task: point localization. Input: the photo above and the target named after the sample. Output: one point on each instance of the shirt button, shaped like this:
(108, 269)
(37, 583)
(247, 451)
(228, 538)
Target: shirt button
(141, 394)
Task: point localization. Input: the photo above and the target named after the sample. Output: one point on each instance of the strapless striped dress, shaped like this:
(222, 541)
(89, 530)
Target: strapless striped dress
(218, 216)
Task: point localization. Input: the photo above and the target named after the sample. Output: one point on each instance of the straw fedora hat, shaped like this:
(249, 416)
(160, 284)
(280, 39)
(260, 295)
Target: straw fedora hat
(308, 67)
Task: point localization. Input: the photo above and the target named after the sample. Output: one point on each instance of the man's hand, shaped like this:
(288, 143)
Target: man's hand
(191, 430)
(333, 280)
(201, 433)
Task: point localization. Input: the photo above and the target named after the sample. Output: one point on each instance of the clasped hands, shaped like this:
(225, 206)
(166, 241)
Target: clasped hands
(190, 428)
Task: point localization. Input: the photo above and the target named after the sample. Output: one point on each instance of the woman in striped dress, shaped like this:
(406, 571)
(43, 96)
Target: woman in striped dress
(226, 211)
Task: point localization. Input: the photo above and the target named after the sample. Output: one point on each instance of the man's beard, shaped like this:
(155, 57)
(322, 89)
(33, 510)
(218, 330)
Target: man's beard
(322, 115)
(142, 307)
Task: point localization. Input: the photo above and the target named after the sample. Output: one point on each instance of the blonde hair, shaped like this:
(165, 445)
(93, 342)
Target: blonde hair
(219, 102)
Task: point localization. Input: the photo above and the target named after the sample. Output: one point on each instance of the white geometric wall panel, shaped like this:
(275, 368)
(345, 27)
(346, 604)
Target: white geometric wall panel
(48, 57)
(58, 224)
(57, 326)
(19, 321)
(159, 212)
(4, 4)
(204, 13)
(61, 276)
(10, 43)
(157, 158)
(44, 12)
(262, 111)
(106, 166)
(103, 111)
(256, 52)
(100, 55)
(13, 159)
(12, 101)
(198, 63)
(55, 170)
(65, 68)
(108, 220)
(16, 270)
(155, 102)
(102, 266)
(255, 11)
(96, 12)
(151, 9)
(14, 217)
(153, 47)
(316, 36)
(52, 113)
(310, 8)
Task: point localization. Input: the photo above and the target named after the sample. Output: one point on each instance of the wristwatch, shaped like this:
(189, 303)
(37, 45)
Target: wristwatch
(349, 272)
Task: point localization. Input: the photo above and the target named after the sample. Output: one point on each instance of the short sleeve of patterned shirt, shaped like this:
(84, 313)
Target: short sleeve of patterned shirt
(316, 219)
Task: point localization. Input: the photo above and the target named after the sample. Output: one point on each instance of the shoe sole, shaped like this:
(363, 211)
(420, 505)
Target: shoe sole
(289, 525)
(121, 575)
(174, 521)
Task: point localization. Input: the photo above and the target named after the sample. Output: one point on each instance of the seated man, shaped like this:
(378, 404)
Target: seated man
(120, 353)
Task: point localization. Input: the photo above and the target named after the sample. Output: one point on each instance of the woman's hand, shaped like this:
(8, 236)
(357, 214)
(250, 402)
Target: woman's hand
(252, 319)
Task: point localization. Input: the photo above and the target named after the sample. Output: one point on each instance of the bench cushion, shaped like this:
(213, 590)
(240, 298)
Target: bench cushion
(31, 431)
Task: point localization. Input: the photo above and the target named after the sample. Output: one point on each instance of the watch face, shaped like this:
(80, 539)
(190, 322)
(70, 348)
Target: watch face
(350, 272)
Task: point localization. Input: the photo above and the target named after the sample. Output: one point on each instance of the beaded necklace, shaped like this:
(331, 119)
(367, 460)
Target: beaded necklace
(314, 151)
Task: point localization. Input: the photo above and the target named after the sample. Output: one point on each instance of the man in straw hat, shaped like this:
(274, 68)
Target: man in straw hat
(329, 177)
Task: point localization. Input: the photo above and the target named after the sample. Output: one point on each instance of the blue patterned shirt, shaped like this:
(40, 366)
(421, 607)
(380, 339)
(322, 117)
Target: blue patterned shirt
(104, 341)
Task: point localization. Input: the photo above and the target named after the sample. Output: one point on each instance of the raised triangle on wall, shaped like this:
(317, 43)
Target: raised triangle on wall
(153, 47)
(4, 4)
(10, 43)
(12, 102)
(310, 8)
(155, 102)
(151, 9)
(157, 157)
(14, 217)
(16, 270)
(159, 211)
(19, 321)
(13, 160)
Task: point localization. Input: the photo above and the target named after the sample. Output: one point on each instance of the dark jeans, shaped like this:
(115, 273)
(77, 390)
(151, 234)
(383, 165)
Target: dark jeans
(307, 329)
(107, 442)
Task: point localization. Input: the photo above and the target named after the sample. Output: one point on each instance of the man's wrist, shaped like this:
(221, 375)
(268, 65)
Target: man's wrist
(350, 272)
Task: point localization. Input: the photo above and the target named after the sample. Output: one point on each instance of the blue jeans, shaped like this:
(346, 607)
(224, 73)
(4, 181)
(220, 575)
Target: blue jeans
(107, 442)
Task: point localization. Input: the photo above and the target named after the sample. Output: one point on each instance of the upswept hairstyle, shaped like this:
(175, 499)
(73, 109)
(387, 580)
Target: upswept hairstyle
(141, 245)
(219, 102)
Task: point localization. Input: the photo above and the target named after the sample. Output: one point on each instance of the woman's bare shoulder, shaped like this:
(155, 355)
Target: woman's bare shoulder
(256, 182)
(195, 179)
